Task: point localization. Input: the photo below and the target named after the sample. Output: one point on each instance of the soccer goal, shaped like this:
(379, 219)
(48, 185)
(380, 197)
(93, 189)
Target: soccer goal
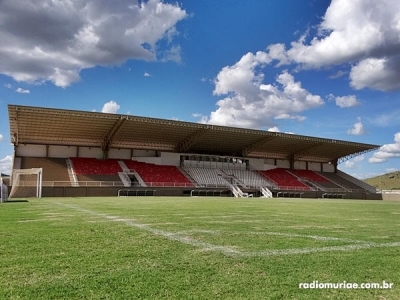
(26, 183)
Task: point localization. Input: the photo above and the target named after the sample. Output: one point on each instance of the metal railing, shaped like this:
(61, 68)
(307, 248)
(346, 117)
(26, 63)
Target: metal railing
(189, 185)
(82, 183)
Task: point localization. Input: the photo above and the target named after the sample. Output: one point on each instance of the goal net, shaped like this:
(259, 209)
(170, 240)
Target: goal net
(26, 183)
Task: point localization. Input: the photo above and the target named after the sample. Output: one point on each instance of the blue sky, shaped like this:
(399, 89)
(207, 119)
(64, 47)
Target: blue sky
(321, 68)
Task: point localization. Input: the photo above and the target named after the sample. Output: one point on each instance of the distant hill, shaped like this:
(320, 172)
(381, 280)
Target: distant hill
(389, 181)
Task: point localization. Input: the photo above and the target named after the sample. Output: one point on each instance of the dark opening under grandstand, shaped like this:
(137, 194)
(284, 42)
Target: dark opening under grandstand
(97, 154)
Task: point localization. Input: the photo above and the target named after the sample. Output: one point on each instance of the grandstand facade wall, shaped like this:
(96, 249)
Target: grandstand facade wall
(155, 157)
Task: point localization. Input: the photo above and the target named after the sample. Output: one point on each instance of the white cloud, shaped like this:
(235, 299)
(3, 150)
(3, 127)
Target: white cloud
(172, 54)
(252, 103)
(55, 40)
(278, 52)
(347, 101)
(1, 137)
(351, 164)
(110, 107)
(350, 36)
(274, 129)
(241, 77)
(363, 34)
(146, 74)
(338, 74)
(8, 85)
(377, 73)
(6, 164)
(22, 91)
(387, 151)
(358, 128)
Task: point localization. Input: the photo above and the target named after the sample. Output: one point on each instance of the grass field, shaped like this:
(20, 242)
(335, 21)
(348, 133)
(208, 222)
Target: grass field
(197, 248)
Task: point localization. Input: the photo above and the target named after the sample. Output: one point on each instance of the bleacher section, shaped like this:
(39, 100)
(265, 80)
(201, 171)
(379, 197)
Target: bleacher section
(88, 169)
(343, 182)
(55, 170)
(309, 175)
(318, 180)
(207, 177)
(118, 173)
(158, 175)
(92, 171)
(93, 166)
(284, 179)
(248, 179)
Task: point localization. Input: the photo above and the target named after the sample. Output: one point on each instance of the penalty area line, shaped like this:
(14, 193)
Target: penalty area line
(167, 234)
(352, 247)
(229, 251)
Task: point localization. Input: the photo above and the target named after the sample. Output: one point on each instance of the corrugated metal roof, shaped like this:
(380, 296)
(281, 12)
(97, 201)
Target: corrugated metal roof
(48, 126)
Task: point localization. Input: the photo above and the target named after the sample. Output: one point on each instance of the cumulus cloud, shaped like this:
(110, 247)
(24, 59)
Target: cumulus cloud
(345, 101)
(53, 41)
(363, 34)
(250, 102)
(358, 128)
(6, 164)
(377, 73)
(110, 107)
(22, 91)
(387, 151)
(351, 164)
(1, 137)
(146, 74)
(274, 129)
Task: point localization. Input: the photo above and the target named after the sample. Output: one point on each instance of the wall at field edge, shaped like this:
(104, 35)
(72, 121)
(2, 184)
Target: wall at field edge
(391, 195)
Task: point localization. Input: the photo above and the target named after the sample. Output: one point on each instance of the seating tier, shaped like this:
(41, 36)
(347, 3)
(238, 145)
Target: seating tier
(310, 175)
(93, 166)
(158, 175)
(285, 179)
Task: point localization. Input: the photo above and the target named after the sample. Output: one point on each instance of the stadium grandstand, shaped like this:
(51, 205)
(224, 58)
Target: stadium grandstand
(78, 153)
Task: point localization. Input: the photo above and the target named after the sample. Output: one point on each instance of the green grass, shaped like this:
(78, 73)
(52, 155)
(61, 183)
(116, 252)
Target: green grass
(197, 248)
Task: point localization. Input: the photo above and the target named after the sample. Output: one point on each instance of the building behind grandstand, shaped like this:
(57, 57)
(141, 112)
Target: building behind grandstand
(96, 154)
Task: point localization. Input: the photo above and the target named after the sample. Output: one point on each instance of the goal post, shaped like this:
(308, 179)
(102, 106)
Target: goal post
(26, 183)
(3, 191)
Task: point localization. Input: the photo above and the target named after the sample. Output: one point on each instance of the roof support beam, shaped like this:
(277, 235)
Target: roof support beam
(303, 152)
(345, 158)
(189, 141)
(105, 145)
(257, 144)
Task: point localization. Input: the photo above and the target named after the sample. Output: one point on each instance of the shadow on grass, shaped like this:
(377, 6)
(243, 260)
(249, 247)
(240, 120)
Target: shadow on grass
(15, 201)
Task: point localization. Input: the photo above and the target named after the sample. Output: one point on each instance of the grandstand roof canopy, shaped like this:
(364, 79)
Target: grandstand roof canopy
(47, 126)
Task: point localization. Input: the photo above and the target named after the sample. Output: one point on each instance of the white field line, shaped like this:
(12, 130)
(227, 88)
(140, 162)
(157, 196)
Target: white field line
(279, 252)
(290, 235)
(177, 236)
(170, 235)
